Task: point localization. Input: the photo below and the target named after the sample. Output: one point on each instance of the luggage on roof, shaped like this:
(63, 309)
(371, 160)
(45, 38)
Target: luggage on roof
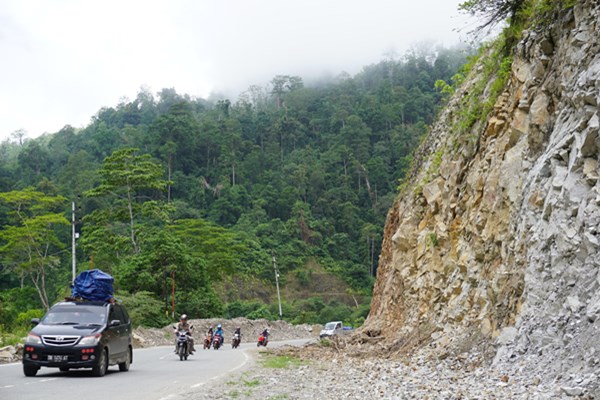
(93, 285)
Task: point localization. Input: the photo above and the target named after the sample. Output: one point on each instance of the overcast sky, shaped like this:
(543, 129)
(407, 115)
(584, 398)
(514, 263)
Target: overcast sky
(62, 60)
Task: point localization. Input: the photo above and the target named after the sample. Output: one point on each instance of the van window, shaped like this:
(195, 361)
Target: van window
(125, 315)
(112, 315)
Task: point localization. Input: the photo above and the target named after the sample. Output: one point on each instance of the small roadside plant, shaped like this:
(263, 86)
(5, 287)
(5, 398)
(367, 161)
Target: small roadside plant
(272, 361)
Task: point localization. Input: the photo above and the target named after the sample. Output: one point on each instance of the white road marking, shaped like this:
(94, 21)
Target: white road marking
(41, 381)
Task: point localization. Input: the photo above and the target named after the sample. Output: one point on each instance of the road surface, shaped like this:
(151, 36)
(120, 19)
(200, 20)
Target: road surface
(155, 374)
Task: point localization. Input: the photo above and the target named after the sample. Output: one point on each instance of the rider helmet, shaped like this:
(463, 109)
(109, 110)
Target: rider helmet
(218, 326)
(183, 317)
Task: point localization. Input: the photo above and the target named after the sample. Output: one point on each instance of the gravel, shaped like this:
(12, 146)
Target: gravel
(328, 370)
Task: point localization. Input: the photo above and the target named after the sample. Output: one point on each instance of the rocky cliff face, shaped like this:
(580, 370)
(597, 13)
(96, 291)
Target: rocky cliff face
(496, 240)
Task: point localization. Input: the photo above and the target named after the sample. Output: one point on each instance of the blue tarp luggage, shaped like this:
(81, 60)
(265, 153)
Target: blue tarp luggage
(93, 285)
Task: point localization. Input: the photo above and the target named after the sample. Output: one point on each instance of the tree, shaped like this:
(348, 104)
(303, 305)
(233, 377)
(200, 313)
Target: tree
(130, 181)
(19, 134)
(30, 246)
(494, 11)
(283, 84)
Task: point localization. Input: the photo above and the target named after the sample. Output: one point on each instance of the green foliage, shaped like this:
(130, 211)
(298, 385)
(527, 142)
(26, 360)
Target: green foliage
(432, 239)
(541, 13)
(127, 180)
(15, 301)
(335, 312)
(444, 88)
(262, 312)
(200, 303)
(144, 309)
(303, 277)
(215, 189)
(30, 245)
(242, 308)
(274, 361)
(474, 107)
(493, 11)
(252, 383)
(14, 336)
(359, 314)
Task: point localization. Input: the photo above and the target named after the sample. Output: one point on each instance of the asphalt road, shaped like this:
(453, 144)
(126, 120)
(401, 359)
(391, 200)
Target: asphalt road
(155, 374)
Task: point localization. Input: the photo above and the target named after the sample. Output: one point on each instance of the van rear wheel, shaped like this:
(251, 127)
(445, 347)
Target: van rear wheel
(124, 366)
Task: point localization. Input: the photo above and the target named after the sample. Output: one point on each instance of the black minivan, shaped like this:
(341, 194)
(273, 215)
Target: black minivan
(80, 334)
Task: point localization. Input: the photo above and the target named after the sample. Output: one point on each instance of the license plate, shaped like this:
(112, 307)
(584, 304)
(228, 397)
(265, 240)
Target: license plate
(59, 358)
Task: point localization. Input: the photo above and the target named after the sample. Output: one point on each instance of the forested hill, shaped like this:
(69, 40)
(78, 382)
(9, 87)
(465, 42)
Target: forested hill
(209, 195)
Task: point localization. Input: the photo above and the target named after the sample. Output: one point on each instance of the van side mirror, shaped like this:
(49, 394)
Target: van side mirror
(115, 322)
(35, 321)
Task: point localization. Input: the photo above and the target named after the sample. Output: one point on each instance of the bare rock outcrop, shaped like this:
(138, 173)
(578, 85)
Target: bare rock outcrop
(496, 238)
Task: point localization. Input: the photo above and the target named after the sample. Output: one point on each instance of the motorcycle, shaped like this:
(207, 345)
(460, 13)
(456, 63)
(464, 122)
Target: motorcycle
(262, 341)
(207, 341)
(216, 343)
(235, 341)
(183, 344)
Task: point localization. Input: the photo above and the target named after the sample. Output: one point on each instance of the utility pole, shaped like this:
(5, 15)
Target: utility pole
(73, 240)
(277, 283)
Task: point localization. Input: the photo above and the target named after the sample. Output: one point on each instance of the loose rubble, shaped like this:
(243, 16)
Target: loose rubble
(326, 372)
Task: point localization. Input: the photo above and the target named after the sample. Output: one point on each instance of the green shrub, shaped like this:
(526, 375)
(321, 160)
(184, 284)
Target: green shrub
(15, 301)
(260, 313)
(16, 335)
(241, 308)
(144, 309)
(24, 318)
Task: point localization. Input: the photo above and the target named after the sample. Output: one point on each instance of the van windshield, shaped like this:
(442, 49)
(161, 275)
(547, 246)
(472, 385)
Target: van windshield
(330, 326)
(70, 316)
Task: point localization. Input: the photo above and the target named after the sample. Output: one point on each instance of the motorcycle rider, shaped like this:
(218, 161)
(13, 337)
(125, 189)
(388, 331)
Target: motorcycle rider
(185, 326)
(238, 331)
(219, 331)
(265, 334)
(209, 337)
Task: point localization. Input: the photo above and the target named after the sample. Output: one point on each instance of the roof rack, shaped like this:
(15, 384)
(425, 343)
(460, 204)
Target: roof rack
(112, 300)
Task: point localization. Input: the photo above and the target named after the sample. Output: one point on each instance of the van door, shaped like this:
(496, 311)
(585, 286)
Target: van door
(118, 332)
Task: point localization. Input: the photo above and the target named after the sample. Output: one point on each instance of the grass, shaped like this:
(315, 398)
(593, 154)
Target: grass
(245, 386)
(252, 383)
(272, 361)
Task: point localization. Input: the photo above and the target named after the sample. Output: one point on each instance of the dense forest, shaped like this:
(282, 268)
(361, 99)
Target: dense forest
(201, 204)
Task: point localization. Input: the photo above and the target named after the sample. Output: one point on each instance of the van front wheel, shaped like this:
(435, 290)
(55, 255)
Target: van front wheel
(100, 369)
(30, 370)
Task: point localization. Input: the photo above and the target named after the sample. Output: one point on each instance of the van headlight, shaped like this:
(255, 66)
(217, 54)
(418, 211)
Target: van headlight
(90, 340)
(33, 339)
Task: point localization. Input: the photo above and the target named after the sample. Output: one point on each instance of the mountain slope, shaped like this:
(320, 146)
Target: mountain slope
(495, 238)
